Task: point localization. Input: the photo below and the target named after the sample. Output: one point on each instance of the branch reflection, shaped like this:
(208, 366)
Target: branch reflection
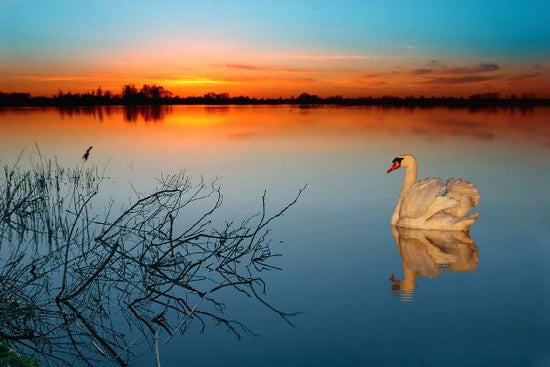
(79, 277)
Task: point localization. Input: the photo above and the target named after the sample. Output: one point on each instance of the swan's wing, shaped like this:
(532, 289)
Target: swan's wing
(464, 193)
(424, 199)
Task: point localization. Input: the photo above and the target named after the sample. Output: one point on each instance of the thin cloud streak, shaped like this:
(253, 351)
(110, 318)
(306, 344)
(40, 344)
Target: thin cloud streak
(57, 78)
(245, 79)
(458, 79)
(243, 67)
(198, 81)
(330, 57)
(438, 68)
(250, 67)
(372, 76)
(481, 68)
(421, 71)
(521, 77)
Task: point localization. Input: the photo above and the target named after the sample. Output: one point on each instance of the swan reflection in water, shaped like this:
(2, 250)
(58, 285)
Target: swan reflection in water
(427, 253)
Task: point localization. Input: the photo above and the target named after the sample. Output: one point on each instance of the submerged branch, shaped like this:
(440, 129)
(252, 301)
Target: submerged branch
(68, 271)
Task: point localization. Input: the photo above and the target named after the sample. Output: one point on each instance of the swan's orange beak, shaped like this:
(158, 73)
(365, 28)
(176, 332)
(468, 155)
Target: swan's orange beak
(394, 166)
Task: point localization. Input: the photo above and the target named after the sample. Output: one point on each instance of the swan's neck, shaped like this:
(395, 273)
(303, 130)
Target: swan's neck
(411, 173)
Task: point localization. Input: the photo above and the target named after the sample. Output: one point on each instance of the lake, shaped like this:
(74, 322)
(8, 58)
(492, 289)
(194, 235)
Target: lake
(368, 296)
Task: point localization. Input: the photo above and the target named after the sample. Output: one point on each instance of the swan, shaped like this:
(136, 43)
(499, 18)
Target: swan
(430, 204)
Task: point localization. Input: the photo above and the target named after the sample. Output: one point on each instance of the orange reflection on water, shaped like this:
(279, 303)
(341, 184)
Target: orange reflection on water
(227, 128)
(315, 122)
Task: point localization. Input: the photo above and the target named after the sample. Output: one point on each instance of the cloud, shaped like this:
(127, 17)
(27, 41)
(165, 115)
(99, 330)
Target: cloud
(237, 79)
(439, 73)
(377, 75)
(100, 78)
(250, 67)
(58, 78)
(443, 69)
(421, 71)
(263, 78)
(481, 68)
(197, 81)
(282, 69)
(458, 79)
(521, 77)
(435, 63)
(371, 76)
(243, 67)
(329, 57)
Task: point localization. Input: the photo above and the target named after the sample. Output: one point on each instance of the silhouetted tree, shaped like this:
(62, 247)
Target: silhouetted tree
(129, 92)
(307, 98)
(154, 91)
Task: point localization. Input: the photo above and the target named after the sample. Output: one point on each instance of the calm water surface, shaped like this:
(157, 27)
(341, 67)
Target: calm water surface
(475, 300)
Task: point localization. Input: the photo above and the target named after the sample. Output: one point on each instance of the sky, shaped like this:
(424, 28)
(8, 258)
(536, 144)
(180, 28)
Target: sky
(277, 48)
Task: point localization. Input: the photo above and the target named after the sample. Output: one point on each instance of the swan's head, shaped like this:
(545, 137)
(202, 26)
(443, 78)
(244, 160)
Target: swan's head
(402, 160)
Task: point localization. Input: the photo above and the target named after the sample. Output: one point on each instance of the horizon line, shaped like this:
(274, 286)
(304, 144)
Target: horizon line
(99, 93)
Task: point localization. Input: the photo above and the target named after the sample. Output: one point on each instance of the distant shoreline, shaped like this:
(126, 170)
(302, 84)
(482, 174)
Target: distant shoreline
(375, 102)
(487, 100)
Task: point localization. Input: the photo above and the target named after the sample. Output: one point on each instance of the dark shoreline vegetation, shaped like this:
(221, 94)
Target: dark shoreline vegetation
(80, 271)
(158, 95)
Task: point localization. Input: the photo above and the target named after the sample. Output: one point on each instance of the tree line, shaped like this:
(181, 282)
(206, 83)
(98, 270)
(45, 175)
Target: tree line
(152, 94)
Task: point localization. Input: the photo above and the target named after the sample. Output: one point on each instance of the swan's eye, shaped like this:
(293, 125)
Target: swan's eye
(398, 160)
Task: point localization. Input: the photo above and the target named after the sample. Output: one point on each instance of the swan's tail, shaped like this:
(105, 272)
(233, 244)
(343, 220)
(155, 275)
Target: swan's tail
(467, 222)
(474, 216)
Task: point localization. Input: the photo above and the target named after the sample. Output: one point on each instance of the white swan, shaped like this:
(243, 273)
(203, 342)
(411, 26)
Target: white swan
(430, 204)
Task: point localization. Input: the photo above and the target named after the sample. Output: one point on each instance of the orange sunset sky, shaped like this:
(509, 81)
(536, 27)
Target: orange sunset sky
(261, 49)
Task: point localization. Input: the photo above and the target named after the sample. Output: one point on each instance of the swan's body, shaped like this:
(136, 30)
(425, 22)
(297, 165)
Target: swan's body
(432, 204)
